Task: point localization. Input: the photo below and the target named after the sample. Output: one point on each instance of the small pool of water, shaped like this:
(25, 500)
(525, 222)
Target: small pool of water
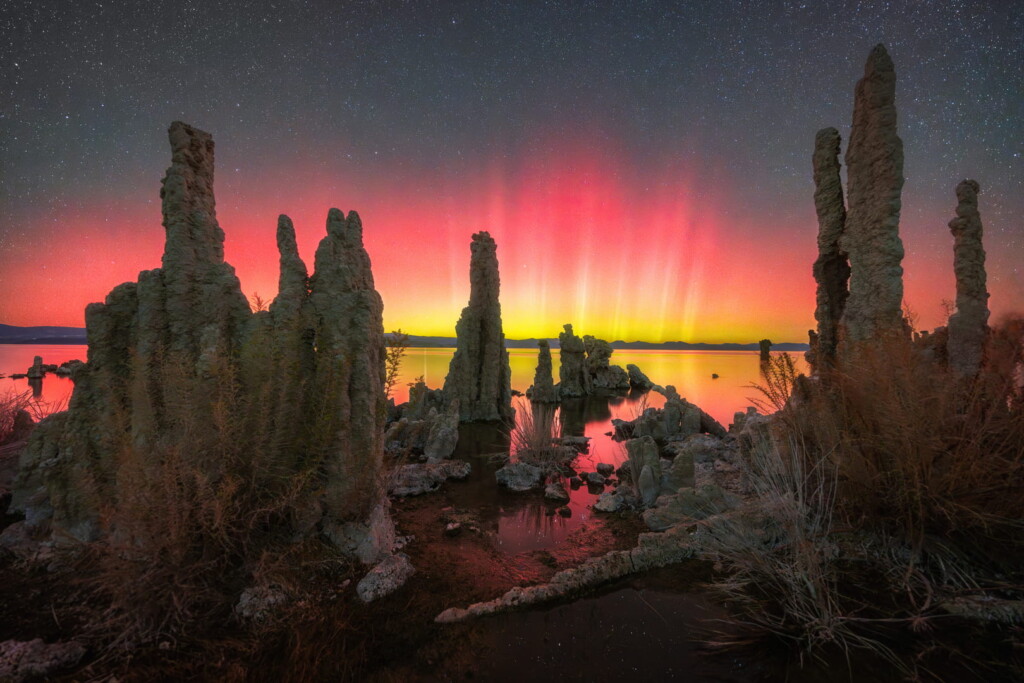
(522, 522)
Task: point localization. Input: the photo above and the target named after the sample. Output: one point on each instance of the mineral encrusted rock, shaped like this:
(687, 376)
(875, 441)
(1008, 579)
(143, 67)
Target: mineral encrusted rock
(603, 375)
(519, 476)
(832, 267)
(637, 379)
(543, 389)
(874, 170)
(765, 348)
(419, 478)
(32, 660)
(479, 375)
(443, 435)
(36, 371)
(181, 346)
(645, 467)
(968, 327)
(652, 551)
(573, 375)
(385, 578)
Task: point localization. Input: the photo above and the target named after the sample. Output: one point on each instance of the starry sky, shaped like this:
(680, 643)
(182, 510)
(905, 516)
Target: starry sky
(644, 166)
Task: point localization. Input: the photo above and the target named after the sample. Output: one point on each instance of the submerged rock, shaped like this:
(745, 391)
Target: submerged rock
(968, 327)
(478, 375)
(874, 171)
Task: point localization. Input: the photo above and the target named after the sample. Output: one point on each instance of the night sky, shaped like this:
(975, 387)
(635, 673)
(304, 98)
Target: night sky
(644, 166)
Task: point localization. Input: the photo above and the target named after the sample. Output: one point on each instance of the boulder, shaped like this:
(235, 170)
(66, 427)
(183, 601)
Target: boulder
(519, 476)
(420, 478)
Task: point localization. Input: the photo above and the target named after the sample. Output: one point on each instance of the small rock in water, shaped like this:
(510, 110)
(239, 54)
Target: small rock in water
(605, 469)
(610, 501)
(555, 491)
(519, 476)
(452, 529)
(575, 482)
(595, 479)
(564, 511)
(714, 375)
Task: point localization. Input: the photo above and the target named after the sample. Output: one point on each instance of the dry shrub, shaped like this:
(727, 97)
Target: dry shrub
(214, 504)
(882, 489)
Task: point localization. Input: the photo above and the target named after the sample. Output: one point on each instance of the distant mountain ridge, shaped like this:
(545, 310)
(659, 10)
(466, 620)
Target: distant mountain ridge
(10, 334)
(45, 334)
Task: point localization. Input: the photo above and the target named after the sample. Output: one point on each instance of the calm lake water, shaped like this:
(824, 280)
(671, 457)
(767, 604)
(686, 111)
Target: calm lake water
(689, 371)
(517, 522)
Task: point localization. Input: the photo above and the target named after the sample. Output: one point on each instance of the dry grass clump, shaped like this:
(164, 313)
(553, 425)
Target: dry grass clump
(536, 437)
(220, 502)
(885, 490)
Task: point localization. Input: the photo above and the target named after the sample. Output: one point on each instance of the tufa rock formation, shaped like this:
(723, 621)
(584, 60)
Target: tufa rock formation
(765, 350)
(874, 167)
(543, 389)
(573, 375)
(478, 375)
(968, 327)
(181, 371)
(832, 268)
(603, 375)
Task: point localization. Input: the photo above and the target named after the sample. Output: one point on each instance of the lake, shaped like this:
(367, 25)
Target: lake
(689, 371)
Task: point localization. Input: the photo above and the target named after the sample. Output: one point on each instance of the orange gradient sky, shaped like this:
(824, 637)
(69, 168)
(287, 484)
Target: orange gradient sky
(586, 234)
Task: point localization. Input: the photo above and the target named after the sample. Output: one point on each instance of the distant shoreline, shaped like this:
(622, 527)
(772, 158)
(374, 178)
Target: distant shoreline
(10, 334)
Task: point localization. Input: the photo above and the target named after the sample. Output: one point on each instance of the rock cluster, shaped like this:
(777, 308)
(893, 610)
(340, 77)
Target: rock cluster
(968, 327)
(175, 354)
(874, 169)
(603, 375)
(478, 375)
